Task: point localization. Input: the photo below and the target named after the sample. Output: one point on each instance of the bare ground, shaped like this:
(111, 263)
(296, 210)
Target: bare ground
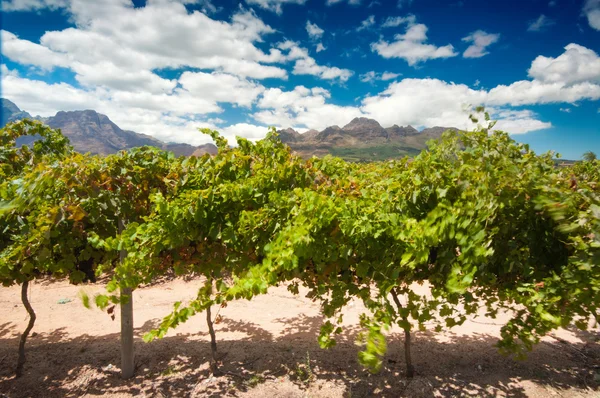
(268, 348)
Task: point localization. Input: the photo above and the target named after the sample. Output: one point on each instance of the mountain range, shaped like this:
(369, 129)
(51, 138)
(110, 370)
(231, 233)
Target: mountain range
(362, 139)
(90, 131)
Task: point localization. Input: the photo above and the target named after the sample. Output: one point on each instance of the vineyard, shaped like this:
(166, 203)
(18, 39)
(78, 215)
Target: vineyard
(477, 225)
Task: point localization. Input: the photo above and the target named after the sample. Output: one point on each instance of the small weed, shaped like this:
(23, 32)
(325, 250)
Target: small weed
(169, 371)
(255, 380)
(304, 372)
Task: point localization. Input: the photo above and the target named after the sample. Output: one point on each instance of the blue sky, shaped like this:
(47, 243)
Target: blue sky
(166, 67)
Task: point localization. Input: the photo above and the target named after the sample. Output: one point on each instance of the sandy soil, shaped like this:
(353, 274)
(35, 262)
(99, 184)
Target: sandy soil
(268, 348)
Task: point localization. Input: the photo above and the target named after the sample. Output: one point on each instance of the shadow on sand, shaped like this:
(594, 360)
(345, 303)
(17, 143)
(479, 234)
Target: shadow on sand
(62, 366)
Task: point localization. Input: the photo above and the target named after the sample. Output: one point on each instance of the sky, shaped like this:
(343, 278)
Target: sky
(167, 67)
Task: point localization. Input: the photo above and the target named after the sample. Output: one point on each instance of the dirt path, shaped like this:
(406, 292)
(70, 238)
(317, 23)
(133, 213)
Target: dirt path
(269, 349)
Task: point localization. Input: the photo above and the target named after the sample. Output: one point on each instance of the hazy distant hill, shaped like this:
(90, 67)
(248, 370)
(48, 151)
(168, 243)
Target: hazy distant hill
(362, 139)
(90, 131)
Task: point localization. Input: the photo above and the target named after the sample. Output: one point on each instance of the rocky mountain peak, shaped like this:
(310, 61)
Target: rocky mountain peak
(399, 131)
(11, 113)
(90, 131)
(361, 123)
(289, 135)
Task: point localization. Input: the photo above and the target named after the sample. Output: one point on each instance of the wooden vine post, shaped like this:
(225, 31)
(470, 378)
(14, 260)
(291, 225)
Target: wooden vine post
(127, 347)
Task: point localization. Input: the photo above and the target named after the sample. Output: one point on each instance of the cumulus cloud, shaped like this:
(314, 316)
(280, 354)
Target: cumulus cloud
(565, 110)
(591, 9)
(373, 76)
(411, 46)
(171, 118)
(518, 122)
(29, 53)
(304, 64)
(314, 32)
(572, 76)
(221, 87)
(526, 92)
(274, 5)
(122, 77)
(479, 40)
(424, 102)
(540, 24)
(302, 107)
(4, 71)
(432, 102)
(576, 65)
(320, 47)
(134, 40)
(32, 5)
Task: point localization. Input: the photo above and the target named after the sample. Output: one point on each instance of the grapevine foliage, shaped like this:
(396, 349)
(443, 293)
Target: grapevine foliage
(482, 220)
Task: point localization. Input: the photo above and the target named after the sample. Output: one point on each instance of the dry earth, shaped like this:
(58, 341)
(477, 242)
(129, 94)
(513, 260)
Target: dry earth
(269, 349)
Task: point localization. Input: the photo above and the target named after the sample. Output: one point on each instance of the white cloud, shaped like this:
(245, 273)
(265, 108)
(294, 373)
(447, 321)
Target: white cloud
(367, 23)
(32, 5)
(274, 5)
(432, 102)
(570, 77)
(220, 87)
(477, 83)
(591, 9)
(135, 39)
(106, 74)
(373, 76)
(389, 75)
(428, 102)
(29, 53)
(306, 65)
(480, 41)
(565, 110)
(249, 131)
(423, 102)
(518, 122)
(535, 92)
(411, 46)
(171, 118)
(4, 71)
(320, 47)
(313, 30)
(392, 22)
(576, 65)
(540, 24)
(302, 107)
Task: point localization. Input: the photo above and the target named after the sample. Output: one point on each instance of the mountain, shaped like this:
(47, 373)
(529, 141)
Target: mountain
(362, 139)
(11, 112)
(90, 131)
